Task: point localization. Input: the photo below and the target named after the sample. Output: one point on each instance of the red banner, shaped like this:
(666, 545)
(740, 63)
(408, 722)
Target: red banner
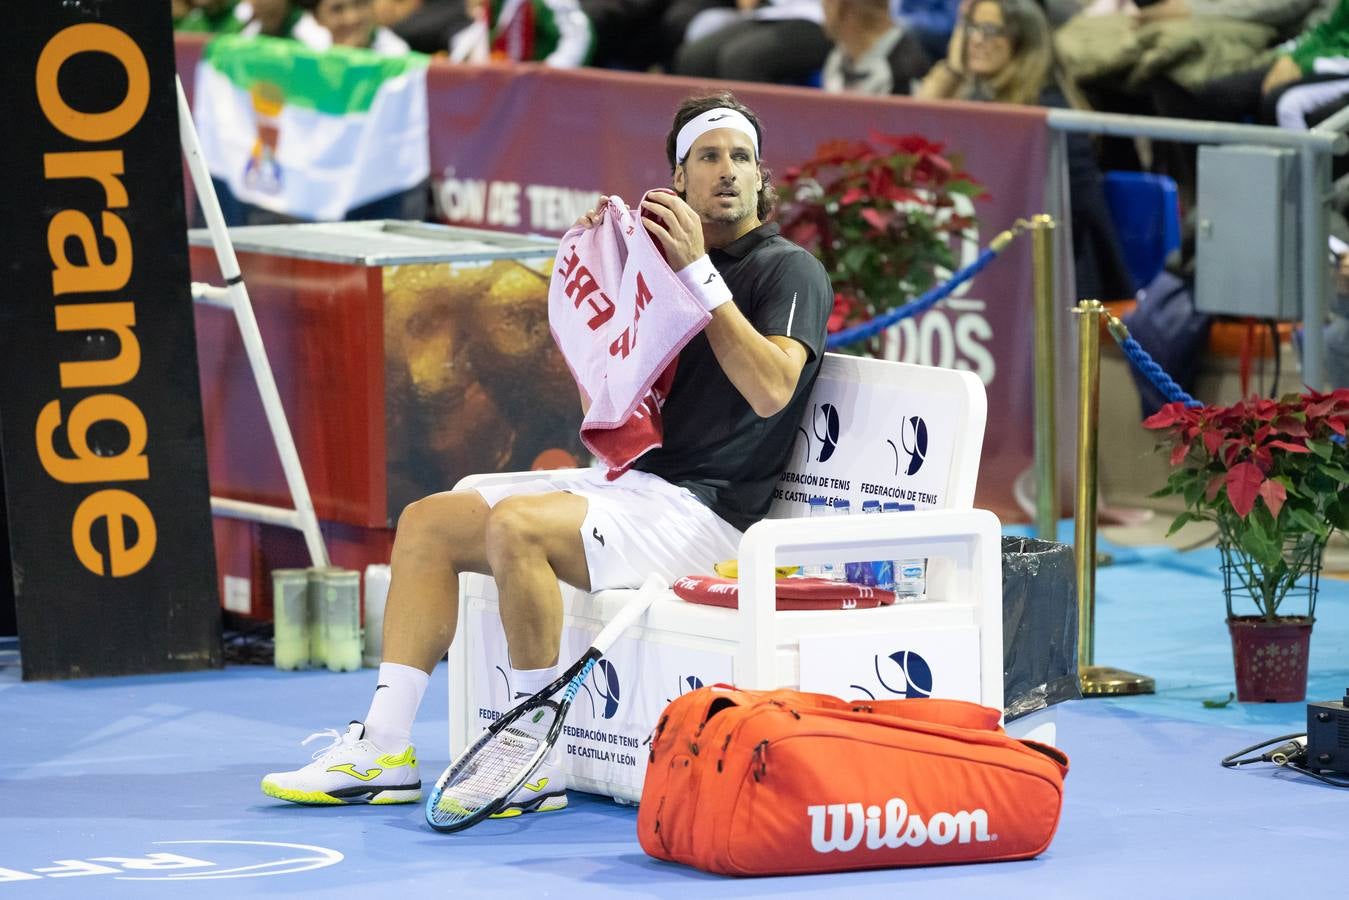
(527, 149)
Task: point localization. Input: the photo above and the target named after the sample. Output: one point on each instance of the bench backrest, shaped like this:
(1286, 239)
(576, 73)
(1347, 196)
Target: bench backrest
(886, 431)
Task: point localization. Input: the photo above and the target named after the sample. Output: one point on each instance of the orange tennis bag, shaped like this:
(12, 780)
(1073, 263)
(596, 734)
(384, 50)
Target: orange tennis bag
(784, 782)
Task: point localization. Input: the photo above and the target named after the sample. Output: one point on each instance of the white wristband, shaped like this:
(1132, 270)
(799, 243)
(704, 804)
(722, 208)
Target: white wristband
(704, 282)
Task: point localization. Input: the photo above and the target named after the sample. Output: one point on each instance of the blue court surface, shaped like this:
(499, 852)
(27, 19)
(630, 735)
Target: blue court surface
(106, 773)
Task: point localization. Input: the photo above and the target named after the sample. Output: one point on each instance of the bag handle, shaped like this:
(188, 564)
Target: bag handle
(960, 713)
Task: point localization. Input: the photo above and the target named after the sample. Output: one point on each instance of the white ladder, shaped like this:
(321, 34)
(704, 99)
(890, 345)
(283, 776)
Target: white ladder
(234, 296)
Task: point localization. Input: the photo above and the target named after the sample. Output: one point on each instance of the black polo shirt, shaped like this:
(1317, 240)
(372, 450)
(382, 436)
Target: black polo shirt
(715, 444)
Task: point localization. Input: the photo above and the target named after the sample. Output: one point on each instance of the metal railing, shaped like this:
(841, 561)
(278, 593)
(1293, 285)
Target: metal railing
(1315, 148)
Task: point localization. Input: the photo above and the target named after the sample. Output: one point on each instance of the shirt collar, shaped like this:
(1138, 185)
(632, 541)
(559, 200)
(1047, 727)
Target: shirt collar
(741, 246)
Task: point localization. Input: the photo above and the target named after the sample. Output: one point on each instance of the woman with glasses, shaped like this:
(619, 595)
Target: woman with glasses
(1000, 52)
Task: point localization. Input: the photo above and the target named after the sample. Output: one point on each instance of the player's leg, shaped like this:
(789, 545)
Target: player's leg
(374, 761)
(532, 542)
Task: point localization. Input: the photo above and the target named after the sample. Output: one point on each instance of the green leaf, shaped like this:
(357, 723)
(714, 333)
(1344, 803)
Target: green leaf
(1338, 514)
(1257, 541)
(1335, 472)
(1220, 704)
(1181, 521)
(1308, 522)
(1194, 492)
(1323, 449)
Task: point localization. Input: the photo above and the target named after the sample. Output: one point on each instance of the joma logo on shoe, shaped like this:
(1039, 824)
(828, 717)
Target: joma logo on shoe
(349, 769)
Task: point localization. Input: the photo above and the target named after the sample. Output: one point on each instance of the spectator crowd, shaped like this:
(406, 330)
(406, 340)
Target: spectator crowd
(1271, 62)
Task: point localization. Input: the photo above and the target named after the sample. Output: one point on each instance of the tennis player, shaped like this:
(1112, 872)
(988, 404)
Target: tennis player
(729, 423)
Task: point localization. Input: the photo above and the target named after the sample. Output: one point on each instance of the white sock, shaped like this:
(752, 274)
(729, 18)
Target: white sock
(530, 681)
(397, 696)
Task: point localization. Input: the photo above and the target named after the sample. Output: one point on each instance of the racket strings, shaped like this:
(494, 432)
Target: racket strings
(491, 772)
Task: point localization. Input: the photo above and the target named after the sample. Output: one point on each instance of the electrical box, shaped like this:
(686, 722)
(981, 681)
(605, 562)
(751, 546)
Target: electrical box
(1328, 735)
(1246, 238)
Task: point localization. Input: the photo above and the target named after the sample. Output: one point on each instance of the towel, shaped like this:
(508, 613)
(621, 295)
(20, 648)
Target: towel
(620, 316)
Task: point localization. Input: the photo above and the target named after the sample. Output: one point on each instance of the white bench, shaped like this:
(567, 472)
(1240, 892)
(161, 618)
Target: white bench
(904, 432)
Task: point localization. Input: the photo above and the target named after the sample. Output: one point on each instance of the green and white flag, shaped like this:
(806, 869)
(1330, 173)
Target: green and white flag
(309, 133)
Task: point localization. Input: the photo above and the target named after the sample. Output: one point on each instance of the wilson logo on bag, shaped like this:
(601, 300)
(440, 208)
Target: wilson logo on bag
(752, 783)
(841, 826)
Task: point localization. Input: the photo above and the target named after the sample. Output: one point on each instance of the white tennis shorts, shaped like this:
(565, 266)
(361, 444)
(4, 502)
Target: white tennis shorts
(635, 525)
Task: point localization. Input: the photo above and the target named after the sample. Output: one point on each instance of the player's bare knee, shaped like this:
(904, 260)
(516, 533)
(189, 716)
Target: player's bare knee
(514, 530)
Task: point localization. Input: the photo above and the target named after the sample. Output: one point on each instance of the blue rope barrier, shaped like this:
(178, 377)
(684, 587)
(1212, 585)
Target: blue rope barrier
(913, 307)
(1145, 364)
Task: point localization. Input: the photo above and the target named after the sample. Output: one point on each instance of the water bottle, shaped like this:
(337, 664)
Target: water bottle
(341, 606)
(819, 506)
(868, 573)
(290, 618)
(838, 570)
(376, 593)
(911, 573)
(315, 600)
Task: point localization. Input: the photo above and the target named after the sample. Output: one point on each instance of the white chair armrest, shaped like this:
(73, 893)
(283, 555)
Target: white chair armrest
(972, 536)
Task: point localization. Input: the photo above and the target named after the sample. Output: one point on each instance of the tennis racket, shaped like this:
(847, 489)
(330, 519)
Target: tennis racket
(483, 778)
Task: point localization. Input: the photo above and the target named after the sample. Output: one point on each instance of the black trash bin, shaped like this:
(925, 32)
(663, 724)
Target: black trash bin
(1039, 625)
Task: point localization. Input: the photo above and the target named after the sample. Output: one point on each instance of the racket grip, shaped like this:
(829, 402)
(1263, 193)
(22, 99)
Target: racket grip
(630, 613)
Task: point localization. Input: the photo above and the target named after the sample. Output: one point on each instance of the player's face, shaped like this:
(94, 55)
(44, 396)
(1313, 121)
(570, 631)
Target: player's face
(720, 178)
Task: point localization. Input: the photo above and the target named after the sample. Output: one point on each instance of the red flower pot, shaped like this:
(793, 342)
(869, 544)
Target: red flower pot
(1270, 657)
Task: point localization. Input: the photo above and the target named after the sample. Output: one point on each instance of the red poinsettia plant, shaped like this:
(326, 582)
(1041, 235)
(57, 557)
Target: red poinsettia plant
(881, 215)
(1272, 474)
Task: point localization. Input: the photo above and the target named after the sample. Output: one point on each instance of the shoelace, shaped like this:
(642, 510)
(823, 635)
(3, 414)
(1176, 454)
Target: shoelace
(332, 734)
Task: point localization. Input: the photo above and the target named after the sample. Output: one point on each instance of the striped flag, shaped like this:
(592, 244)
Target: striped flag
(307, 133)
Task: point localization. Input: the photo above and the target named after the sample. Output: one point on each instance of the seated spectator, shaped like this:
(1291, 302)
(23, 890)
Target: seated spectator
(207, 16)
(351, 23)
(1307, 79)
(930, 21)
(426, 25)
(641, 34)
(1000, 51)
(777, 41)
(872, 54)
(553, 32)
(1286, 16)
(281, 18)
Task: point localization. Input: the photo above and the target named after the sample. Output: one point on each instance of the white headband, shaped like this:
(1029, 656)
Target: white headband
(721, 117)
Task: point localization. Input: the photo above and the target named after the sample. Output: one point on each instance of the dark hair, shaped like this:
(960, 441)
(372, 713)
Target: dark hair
(698, 104)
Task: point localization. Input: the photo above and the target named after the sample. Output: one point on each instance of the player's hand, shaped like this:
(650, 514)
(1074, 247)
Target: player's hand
(674, 225)
(594, 216)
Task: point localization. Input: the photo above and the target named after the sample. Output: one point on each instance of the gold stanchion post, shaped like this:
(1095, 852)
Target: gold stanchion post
(1095, 680)
(1046, 476)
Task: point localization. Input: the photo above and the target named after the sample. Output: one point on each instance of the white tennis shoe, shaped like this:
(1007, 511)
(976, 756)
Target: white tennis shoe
(544, 791)
(350, 770)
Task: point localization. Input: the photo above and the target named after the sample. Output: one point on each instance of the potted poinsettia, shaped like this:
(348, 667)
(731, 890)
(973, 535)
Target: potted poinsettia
(881, 215)
(1273, 475)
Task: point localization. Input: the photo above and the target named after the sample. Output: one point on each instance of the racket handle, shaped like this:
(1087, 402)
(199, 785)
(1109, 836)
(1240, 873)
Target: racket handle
(630, 613)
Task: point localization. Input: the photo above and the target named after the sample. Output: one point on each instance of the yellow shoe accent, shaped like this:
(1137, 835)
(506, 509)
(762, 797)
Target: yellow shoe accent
(538, 785)
(407, 758)
(312, 797)
(383, 800)
(349, 769)
(519, 808)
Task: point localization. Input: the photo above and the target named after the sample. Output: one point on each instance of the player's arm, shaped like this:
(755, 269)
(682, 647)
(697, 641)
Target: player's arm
(765, 370)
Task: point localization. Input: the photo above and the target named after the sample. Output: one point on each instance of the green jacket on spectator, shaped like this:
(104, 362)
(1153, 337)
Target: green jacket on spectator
(220, 21)
(1329, 40)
